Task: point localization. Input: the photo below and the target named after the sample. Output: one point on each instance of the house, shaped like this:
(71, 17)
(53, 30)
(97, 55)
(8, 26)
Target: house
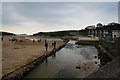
(115, 33)
(90, 27)
(112, 30)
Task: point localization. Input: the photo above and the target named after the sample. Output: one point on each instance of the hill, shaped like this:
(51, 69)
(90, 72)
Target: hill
(6, 34)
(63, 33)
(57, 33)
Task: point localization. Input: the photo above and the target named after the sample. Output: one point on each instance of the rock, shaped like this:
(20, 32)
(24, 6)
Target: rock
(95, 56)
(77, 67)
(99, 65)
(85, 69)
(95, 62)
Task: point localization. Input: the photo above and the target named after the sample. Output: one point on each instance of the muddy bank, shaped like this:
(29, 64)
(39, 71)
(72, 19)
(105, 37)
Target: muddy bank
(20, 53)
(20, 72)
(109, 71)
(87, 42)
(103, 55)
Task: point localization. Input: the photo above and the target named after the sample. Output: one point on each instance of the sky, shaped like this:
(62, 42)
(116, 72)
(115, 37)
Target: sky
(59, 0)
(33, 17)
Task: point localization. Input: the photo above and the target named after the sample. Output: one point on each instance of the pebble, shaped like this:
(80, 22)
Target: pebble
(84, 69)
(95, 56)
(95, 62)
(78, 67)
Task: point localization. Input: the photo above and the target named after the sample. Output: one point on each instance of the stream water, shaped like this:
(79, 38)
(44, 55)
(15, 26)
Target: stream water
(49, 39)
(72, 61)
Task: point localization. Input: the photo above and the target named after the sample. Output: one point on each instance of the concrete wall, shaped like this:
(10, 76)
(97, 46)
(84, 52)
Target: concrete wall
(117, 46)
(110, 71)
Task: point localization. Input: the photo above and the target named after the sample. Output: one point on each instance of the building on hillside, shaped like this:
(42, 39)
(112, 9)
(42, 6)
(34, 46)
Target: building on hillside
(99, 25)
(115, 33)
(90, 27)
(110, 31)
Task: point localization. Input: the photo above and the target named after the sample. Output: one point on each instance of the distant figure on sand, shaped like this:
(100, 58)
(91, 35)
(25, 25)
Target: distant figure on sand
(14, 39)
(39, 40)
(20, 40)
(45, 40)
(46, 46)
(33, 41)
(54, 44)
(2, 38)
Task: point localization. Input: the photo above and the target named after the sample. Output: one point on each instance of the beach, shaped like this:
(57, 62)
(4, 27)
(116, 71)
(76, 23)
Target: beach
(17, 54)
(0, 59)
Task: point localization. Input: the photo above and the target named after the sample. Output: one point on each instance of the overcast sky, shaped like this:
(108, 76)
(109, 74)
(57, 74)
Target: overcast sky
(33, 17)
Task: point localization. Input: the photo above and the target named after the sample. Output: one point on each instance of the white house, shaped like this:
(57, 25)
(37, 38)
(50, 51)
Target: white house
(115, 33)
(111, 30)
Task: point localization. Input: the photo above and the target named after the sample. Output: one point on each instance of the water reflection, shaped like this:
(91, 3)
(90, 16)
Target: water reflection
(46, 60)
(54, 55)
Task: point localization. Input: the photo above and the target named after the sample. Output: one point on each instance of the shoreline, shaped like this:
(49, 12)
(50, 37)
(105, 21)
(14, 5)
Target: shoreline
(103, 55)
(20, 71)
(23, 70)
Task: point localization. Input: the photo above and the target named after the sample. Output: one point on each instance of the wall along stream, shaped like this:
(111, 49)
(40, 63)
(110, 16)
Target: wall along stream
(72, 61)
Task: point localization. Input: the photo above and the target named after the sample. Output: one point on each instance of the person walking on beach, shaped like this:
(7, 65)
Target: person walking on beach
(39, 40)
(14, 40)
(54, 44)
(33, 41)
(45, 40)
(46, 46)
(2, 38)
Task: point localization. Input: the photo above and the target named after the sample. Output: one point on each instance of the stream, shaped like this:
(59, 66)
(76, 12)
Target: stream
(72, 61)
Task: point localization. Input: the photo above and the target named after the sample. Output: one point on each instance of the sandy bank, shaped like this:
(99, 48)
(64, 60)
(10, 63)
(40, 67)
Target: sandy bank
(15, 55)
(87, 68)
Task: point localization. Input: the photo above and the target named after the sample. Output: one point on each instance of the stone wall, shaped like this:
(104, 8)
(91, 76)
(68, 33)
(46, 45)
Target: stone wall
(110, 71)
(112, 47)
(117, 46)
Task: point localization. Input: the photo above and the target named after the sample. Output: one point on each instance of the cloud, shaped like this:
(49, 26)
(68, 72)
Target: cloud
(50, 16)
(60, 0)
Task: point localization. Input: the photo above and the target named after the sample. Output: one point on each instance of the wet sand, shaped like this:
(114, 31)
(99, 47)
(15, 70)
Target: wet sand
(15, 55)
(86, 69)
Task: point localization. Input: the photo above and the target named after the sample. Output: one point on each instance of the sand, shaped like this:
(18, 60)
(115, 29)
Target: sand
(15, 55)
(0, 59)
(87, 68)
